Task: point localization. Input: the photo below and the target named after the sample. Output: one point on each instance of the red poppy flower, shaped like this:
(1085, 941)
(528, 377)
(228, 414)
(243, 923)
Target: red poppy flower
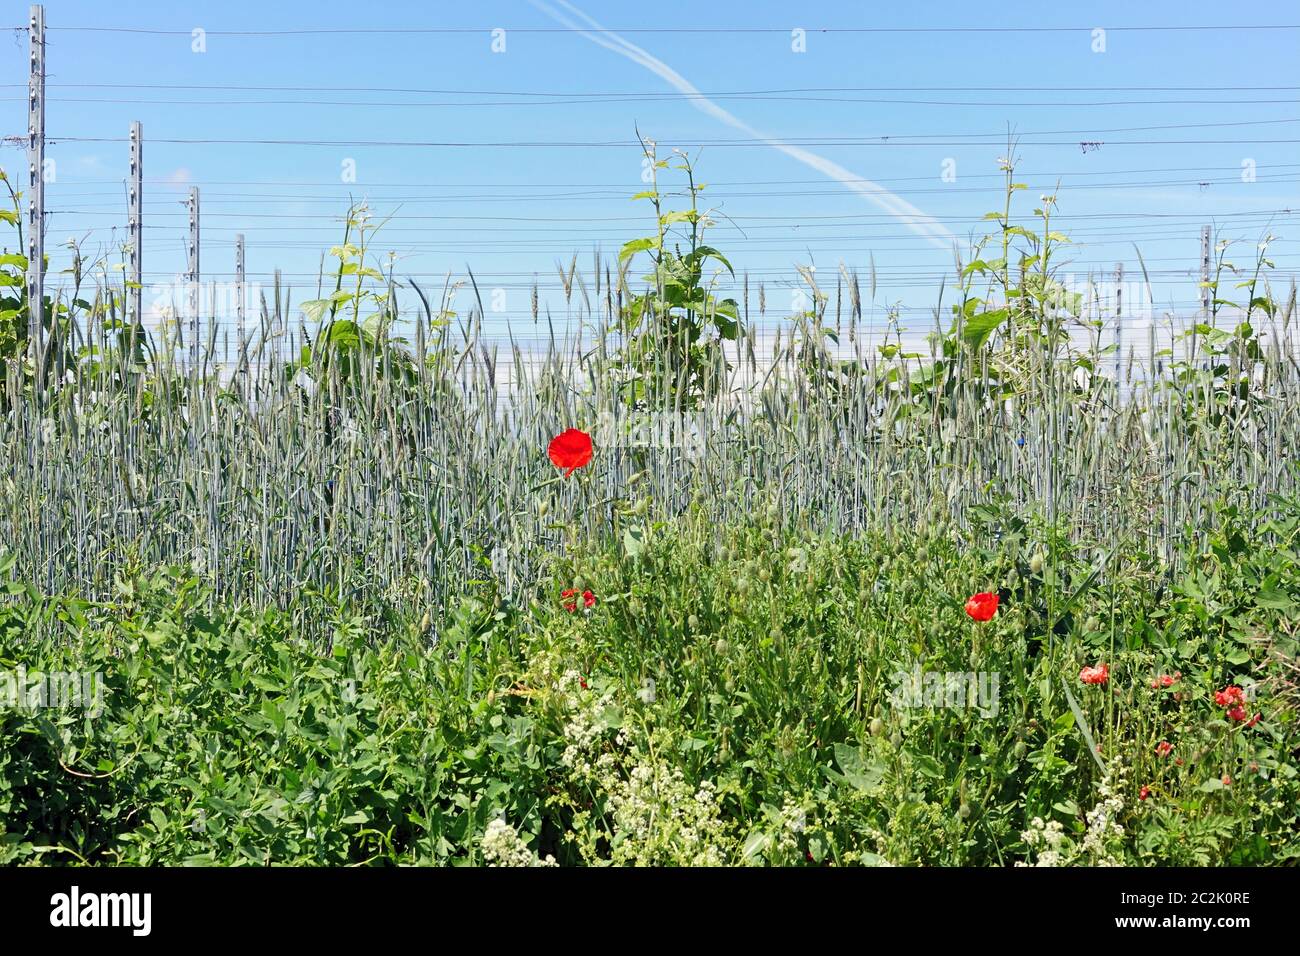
(582, 682)
(570, 449)
(1164, 748)
(1144, 793)
(981, 607)
(1226, 781)
(1230, 696)
(1238, 713)
(570, 599)
(1095, 675)
(1166, 680)
(588, 599)
(1254, 720)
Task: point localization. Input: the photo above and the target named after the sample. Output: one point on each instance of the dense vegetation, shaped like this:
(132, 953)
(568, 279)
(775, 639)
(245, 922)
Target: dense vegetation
(345, 610)
(661, 724)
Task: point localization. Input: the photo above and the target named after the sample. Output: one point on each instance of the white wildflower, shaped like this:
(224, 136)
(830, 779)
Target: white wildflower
(502, 846)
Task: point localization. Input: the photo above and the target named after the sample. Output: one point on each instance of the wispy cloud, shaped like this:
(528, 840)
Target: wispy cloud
(914, 219)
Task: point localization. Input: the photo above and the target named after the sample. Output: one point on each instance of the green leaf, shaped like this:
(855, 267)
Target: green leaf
(634, 542)
(977, 329)
(856, 772)
(678, 215)
(755, 844)
(708, 252)
(1083, 725)
(315, 309)
(634, 246)
(1268, 597)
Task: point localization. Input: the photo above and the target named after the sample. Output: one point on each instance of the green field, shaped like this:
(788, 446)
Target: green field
(322, 596)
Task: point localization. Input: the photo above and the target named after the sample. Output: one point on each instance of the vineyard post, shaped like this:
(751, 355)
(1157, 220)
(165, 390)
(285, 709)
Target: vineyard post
(1205, 274)
(135, 225)
(1119, 321)
(192, 279)
(36, 182)
(239, 292)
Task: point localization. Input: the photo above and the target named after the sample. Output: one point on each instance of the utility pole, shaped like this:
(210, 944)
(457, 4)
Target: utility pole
(192, 279)
(36, 181)
(239, 291)
(1119, 321)
(135, 225)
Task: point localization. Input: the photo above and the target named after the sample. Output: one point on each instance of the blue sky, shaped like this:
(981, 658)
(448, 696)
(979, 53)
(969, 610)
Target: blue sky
(512, 212)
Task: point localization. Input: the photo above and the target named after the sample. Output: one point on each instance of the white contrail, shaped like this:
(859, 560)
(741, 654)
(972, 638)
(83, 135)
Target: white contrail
(919, 222)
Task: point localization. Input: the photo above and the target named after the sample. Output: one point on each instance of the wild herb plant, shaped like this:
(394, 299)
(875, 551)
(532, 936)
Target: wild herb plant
(671, 353)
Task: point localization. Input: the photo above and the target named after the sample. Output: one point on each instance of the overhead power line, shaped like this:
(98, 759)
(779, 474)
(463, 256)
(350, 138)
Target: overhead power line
(535, 184)
(625, 144)
(226, 87)
(670, 98)
(783, 30)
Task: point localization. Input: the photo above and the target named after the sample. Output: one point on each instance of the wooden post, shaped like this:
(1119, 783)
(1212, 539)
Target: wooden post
(135, 225)
(36, 181)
